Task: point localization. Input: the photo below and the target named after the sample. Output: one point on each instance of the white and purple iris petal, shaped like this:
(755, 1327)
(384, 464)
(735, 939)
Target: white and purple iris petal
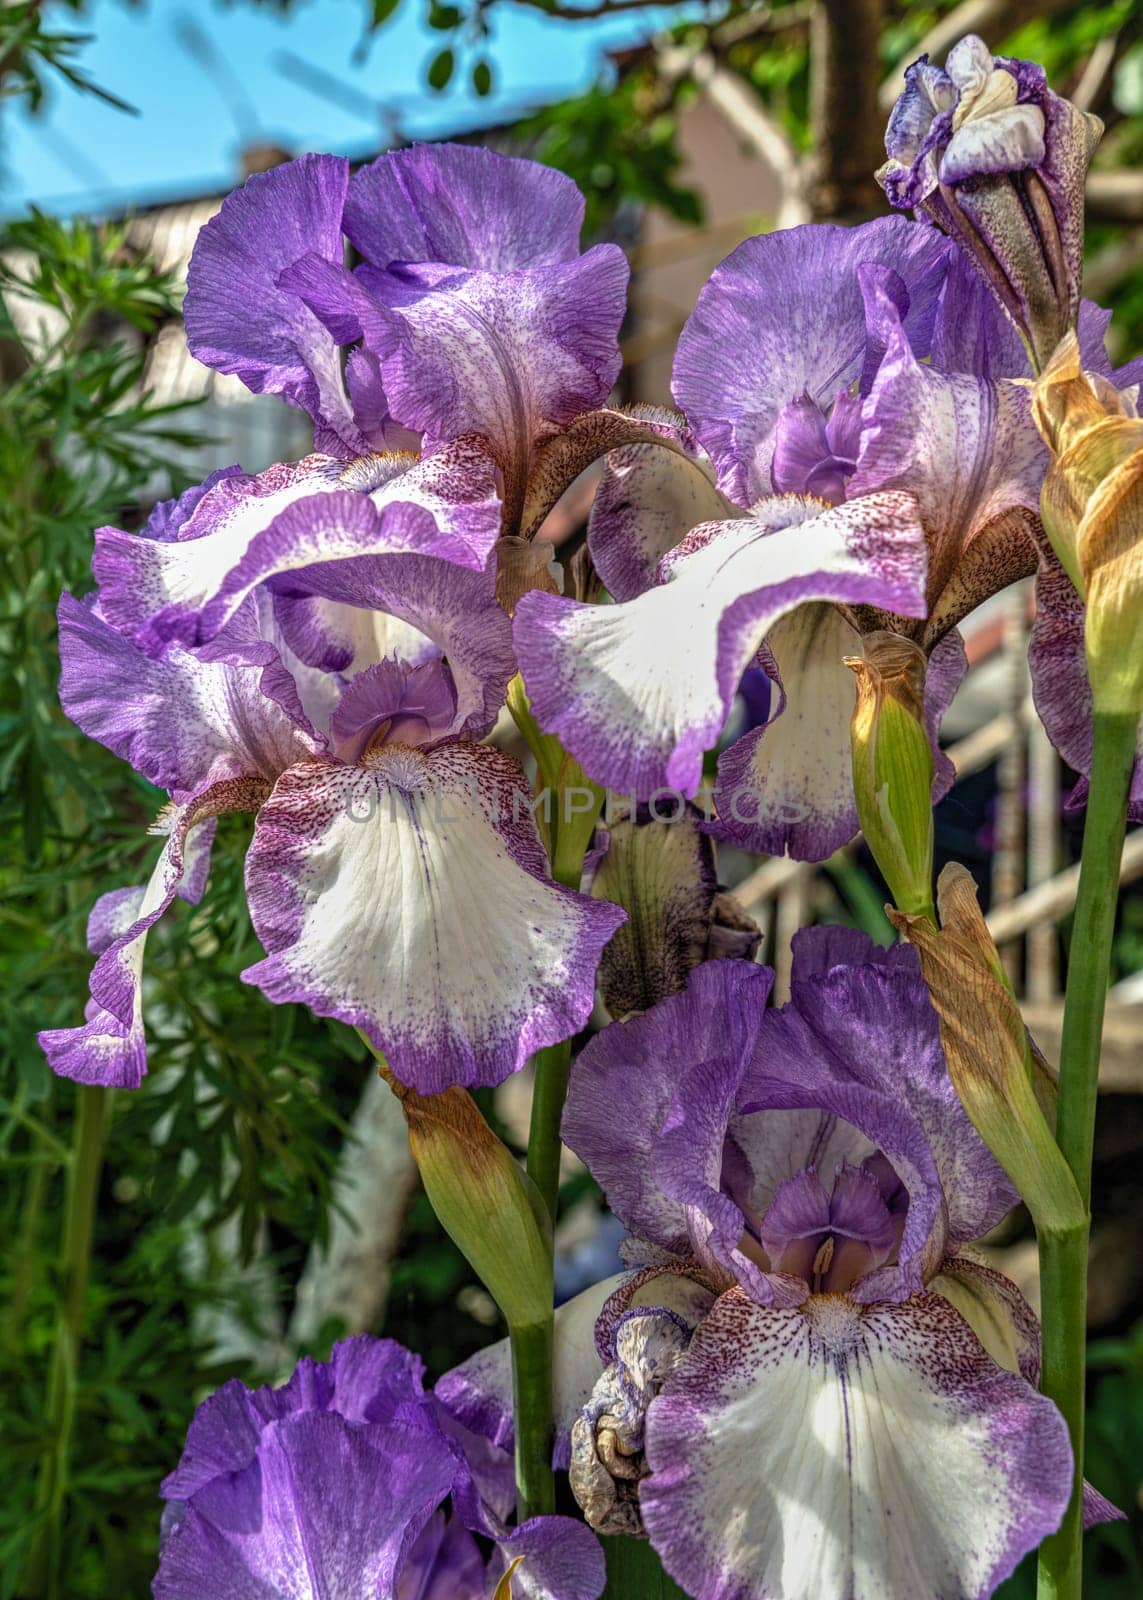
(639, 691)
(246, 530)
(333, 1487)
(109, 1047)
(409, 895)
(787, 1453)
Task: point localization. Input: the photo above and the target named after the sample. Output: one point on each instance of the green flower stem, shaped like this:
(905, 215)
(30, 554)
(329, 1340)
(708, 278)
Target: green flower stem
(532, 1347)
(1063, 1256)
(550, 1088)
(43, 1571)
(532, 1409)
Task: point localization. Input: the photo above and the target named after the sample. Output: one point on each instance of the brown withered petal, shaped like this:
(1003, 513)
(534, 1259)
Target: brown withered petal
(561, 459)
(990, 1058)
(523, 565)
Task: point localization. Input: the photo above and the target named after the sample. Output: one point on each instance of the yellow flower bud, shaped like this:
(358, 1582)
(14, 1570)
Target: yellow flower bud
(485, 1201)
(989, 1054)
(893, 766)
(1092, 509)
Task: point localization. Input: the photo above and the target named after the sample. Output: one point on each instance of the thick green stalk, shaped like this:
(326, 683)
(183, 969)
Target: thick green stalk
(532, 1347)
(1063, 1297)
(549, 1091)
(43, 1571)
(1063, 1257)
(532, 1410)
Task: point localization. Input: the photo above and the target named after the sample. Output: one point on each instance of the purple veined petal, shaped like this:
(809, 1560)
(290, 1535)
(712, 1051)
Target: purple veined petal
(782, 318)
(109, 1048)
(333, 637)
(444, 1564)
(639, 691)
(647, 502)
(351, 605)
(478, 1393)
(238, 319)
(395, 703)
(649, 1107)
(816, 951)
(973, 333)
(184, 723)
(968, 449)
(464, 206)
(509, 355)
(787, 787)
(410, 897)
(399, 519)
(849, 1032)
(365, 1380)
(328, 1510)
(792, 1455)
(1060, 686)
(169, 517)
(560, 1559)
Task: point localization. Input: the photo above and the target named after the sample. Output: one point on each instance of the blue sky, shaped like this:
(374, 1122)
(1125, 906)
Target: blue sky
(83, 154)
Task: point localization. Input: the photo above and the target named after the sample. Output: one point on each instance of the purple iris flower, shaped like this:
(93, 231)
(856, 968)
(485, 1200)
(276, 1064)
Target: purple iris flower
(812, 1388)
(331, 1488)
(473, 311)
(332, 673)
(861, 381)
(983, 148)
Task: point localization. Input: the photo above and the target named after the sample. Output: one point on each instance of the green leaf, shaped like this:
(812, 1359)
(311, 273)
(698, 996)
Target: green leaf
(440, 70)
(444, 18)
(383, 10)
(482, 78)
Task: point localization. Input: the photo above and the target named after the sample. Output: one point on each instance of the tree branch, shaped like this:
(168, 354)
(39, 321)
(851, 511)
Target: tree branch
(375, 1180)
(847, 125)
(753, 123)
(1115, 196)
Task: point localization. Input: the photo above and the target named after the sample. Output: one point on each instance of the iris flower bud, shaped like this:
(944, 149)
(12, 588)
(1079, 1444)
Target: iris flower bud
(985, 150)
(485, 1201)
(893, 766)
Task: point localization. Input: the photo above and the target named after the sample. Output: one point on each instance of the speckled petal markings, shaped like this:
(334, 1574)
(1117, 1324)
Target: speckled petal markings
(792, 1456)
(410, 897)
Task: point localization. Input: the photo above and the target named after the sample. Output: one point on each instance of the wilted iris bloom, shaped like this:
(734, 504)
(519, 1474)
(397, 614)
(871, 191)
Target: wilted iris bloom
(333, 676)
(332, 1488)
(871, 470)
(813, 1389)
(984, 149)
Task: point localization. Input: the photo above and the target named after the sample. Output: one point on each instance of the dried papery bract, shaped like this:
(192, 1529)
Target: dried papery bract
(1092, 506)
(986, 1045)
